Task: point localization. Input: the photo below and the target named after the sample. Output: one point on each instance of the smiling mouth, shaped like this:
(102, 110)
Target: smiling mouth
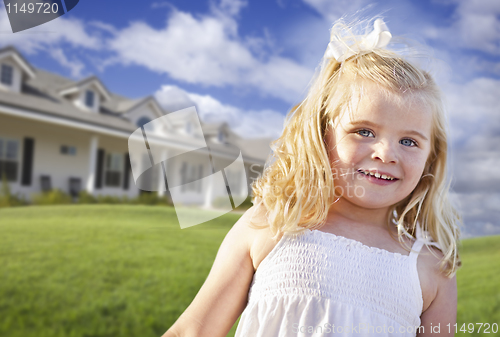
(377, 175)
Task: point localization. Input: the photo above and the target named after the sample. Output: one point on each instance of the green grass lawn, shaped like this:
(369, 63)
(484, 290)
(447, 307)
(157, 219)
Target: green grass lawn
(478, 284)
(122, 270)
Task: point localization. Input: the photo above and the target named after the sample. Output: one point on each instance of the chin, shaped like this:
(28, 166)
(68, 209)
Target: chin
(369, 203)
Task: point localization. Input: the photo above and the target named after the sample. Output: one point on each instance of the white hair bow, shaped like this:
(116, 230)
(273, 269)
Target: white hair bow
(378, 38)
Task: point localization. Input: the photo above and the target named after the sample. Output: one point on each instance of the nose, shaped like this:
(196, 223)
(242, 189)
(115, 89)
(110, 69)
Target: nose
(384, 152)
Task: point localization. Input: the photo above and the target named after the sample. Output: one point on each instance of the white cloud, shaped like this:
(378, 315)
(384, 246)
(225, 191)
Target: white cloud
(173, 98)
(333, 10)
(50, 34)
(475, 25)
(160, 4)
(480, 213)
(248, 124)
(231, 7)
(75, 66)
(475, 121)
(481, 97)
(208, 51)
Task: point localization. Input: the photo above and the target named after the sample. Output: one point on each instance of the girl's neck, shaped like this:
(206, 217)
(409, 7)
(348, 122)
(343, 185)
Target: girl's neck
(345, 213)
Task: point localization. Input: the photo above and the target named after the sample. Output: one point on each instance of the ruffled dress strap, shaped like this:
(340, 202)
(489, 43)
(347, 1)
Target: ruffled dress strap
(423, 237)
(418, 244)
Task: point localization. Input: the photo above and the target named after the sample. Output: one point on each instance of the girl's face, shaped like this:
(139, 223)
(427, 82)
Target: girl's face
(378, 153)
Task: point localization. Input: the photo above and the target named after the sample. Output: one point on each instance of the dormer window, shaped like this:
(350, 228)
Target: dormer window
(89, 98)
(7, 75)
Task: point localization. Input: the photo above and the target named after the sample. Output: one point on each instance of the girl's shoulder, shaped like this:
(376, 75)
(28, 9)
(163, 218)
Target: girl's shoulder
(254, 231)
(432, 279)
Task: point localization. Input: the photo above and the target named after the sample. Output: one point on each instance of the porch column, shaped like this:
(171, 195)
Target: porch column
(94, 143)
(161, 176)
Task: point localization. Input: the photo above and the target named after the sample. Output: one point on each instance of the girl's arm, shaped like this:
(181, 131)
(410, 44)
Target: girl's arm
(223, 296)
(441, 315)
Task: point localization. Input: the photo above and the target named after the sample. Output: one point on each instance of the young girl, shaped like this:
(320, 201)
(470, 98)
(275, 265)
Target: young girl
(340, 238)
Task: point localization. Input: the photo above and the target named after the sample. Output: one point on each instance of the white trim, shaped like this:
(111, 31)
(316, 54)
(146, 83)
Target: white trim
(19, 61)
(100, 87)
(68, 91)
(156, 107)
(78, 87)
(59, 121)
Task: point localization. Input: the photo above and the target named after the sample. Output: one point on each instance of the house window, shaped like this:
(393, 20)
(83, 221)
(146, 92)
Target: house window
(7, 75)
(68, 150)
(8, 159)
(89, 98)
(114, 165)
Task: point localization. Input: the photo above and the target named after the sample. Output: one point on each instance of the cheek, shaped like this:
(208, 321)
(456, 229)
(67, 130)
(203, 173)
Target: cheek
(415, 167)
(351, 153)
(341, 149)
(331, 147)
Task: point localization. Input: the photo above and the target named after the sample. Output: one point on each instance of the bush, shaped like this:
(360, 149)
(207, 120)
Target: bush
(58, 197)
(142, 199)
(6, 197)
(108, 199)
(147, 198)
(85, 197)
(53, 197)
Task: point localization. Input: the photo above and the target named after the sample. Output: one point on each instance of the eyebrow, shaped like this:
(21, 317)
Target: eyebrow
(374, 125)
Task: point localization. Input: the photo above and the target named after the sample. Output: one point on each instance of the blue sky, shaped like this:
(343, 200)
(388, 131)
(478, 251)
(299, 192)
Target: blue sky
(249, 62)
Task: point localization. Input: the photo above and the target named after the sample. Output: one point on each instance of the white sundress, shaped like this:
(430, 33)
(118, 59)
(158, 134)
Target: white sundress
(319, 284)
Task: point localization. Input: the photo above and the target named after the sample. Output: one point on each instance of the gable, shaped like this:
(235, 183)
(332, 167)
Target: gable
(9, 54)
(147, 111)
(92, 82)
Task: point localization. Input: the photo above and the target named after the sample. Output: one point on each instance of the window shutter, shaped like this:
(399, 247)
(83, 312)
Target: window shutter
(28, 151)
(99, 168)
(126, 171)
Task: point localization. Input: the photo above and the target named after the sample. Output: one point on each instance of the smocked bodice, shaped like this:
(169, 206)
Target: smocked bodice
(317, 279)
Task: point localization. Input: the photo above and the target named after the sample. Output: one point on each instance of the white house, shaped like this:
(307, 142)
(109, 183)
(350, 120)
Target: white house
(56, 133)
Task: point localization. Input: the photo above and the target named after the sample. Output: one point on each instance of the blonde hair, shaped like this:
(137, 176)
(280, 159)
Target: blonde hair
(296, 187)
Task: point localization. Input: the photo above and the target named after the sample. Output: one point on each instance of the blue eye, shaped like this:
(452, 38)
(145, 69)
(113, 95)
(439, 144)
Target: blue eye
(408, 142)
(365, 133)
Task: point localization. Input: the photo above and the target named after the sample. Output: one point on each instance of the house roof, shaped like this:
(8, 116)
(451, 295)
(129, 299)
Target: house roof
(41, 94)
(19, 59)
(258, 148)
(76, 86)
